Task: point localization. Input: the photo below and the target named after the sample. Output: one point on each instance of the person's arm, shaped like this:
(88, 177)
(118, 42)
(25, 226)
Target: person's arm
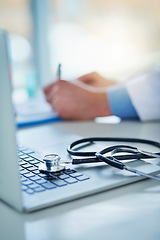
(120, 102)
(74, 102)
(138, 98)
(82, 100)
(94, 79)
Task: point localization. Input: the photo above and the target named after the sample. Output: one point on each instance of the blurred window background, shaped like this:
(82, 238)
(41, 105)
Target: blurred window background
(117, 38)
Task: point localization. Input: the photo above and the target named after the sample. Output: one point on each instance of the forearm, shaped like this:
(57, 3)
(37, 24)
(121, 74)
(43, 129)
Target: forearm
(120, 102)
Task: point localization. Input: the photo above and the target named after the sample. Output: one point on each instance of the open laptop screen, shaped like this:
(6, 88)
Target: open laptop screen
(9, 176)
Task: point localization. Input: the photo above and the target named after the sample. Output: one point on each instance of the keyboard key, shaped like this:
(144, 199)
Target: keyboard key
(27, 182)
(28, 151)
(59, 182)
(23, 171)
(35, 161)
(30, 191)
(24, 156)
(56, 174)
(24, 187)
(49, 177)
(35, 177)
(68, 171)
(75, 174)
(20, 168)
(43, 175)
(20, 154)
(71, 180)
(23, 162)
(27, 165)
(83, 177)
(49, 185)
(40, 181)
(29, 174)
(36, 171)
(23, 178)
(63, 176)
(30, 159)
(33, 185)
(36, 164)
(39, 189)
(31, 168)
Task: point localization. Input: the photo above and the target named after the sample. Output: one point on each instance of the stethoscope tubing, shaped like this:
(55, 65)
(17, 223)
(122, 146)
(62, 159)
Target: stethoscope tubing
(90, 157)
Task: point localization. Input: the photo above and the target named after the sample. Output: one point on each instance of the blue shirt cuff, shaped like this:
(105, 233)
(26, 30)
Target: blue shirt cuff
(120, 102)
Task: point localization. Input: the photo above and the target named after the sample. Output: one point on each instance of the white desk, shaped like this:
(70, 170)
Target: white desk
(129, 212)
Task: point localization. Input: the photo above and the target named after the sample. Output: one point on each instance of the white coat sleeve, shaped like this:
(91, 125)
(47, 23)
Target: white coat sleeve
(144, 92)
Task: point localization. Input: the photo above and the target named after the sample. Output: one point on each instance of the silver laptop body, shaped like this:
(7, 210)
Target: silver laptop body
(97, 179)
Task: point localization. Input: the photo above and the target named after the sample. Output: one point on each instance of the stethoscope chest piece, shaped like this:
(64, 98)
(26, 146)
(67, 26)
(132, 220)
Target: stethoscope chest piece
(51, 164)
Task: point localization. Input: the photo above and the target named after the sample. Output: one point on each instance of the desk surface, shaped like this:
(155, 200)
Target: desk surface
(128, 212)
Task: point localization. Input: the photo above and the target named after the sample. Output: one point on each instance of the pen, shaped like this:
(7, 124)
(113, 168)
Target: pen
(59, 72)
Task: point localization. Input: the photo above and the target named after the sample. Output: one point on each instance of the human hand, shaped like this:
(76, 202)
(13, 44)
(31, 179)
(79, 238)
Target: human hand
(96, 80)
(74, 102)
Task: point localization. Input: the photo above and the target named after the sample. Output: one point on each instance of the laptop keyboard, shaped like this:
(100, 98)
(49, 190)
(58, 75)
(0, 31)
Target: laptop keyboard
(32, 181)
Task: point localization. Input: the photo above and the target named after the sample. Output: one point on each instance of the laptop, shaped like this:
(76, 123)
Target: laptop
(22, 186)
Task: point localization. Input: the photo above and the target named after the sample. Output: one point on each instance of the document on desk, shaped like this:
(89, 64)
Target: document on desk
(34, 111)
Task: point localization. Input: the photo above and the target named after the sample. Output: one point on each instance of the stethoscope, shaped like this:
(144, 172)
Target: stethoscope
(52, 162)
